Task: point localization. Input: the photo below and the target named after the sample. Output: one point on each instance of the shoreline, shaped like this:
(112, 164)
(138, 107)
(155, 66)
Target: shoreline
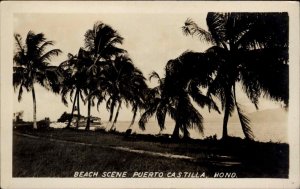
(153, 129)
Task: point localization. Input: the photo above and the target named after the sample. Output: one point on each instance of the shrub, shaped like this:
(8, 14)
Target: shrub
(101, 129)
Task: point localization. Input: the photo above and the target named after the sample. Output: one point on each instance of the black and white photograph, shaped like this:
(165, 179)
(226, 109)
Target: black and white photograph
(148, 94)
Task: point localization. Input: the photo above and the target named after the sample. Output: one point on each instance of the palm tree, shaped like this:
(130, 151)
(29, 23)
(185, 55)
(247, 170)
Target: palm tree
(89, 76)
(134, 89)
(172, 97)
(101, 46)
(162, 103)
(157, 103)
(74, 70)
(125, 83)
(138, 90)
(251, 48)
(185, 76)
(31, 65)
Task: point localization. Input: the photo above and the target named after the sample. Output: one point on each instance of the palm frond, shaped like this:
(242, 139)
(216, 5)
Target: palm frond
(81, 95)
(216, 23)
(191, 28)
(265, 72)
(18, 76)
(149, 112)
(100, 98)
(201, 99)
(64, 100)
(42, 48)
(196, 120)
(245, 123)
(187, 115)
(264, 30)
(33, 42)
(19, 44)
(48, 55)
(161, 115)
(71, 93)
(101, 37)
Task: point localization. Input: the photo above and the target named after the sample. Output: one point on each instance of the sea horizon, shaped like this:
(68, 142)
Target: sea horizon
(263, 132)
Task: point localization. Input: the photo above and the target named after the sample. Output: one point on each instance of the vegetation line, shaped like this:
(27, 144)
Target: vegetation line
(119, 148)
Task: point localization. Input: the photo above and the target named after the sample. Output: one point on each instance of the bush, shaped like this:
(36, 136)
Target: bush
(43, 124)
(100, 129)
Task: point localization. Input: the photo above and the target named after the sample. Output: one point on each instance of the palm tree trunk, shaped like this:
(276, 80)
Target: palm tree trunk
(133, 118)
(186, 134)
(34, 108)
(87, 128)
(78, 109)
(225, 121)
(227, 112)
(116, 117)
(73, 108)
(175, 134)
(112, 108)
(247, 131)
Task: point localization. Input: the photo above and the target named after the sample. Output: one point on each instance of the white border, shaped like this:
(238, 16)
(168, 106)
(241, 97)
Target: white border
(8, 9)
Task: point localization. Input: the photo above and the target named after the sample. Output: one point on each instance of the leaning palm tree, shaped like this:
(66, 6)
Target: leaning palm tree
(138, 90)
(173, 98)
(162, 102)
(31, 65)
(157, 104)
(251, 48)
(101, 46)
(133, 89)
(185, 76)
(124, 84)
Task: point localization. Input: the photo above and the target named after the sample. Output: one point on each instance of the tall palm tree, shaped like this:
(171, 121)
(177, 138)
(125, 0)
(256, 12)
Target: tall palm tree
(89, 77)
(31, 65)
(251, 48)
(74, 70)
(101, 45)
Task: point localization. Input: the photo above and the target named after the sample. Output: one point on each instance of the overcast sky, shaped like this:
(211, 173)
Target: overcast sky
(151, 39)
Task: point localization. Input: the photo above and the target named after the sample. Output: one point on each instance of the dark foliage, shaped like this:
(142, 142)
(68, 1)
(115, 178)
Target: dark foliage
(250, 48)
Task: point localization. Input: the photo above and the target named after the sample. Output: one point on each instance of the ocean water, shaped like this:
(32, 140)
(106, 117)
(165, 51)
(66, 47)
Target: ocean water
(264, 132)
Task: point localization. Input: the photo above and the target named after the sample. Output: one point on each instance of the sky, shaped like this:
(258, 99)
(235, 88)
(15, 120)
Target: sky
(150, 38)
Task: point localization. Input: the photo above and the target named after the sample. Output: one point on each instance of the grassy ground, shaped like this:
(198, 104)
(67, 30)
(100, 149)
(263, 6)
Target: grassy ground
(41, 157)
